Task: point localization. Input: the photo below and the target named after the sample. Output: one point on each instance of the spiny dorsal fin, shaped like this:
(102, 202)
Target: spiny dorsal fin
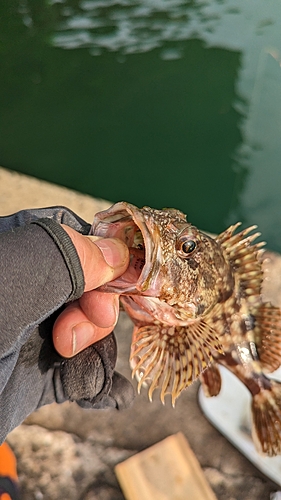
(244, 257)
(268, 336)
(172, 357)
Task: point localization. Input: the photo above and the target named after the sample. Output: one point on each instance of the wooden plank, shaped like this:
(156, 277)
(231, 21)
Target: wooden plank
(167, 470)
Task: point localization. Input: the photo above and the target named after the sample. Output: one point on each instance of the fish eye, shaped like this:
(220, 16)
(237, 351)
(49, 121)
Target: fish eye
(186, 247)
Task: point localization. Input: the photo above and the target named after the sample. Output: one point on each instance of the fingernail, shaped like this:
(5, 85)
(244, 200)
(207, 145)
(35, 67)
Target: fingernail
(83, 334)
(115, 252)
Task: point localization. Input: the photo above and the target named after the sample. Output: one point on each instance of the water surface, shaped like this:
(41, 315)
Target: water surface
(157, 102)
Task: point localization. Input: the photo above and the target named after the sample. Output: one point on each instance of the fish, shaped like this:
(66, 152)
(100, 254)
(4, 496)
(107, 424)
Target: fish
(196, 302)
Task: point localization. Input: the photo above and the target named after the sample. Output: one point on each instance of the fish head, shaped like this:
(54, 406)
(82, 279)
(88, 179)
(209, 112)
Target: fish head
(176, 272)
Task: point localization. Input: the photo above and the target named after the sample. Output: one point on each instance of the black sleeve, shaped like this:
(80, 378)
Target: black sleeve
(58, 214)
(40, 271)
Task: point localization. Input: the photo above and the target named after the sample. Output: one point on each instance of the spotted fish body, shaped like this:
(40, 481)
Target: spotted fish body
(195, 302)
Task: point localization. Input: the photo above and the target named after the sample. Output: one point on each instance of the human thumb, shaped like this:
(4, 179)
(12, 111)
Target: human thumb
(102, 259)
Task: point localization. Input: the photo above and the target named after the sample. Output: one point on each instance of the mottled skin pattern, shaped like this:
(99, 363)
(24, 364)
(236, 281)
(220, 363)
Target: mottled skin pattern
(196, 301)
(201, 277)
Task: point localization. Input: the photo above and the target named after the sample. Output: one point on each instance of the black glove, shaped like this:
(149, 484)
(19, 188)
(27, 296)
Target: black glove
(89, 377)
(32, 373)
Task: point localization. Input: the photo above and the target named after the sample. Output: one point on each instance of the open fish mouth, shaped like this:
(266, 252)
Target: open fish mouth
(131, 225)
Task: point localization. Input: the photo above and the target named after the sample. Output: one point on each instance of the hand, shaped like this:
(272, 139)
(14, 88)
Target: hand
(95, 314)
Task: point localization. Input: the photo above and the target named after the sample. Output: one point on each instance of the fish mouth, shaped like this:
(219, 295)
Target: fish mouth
(133, 226)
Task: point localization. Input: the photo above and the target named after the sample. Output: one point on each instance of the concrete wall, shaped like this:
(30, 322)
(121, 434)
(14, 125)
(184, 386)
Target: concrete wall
(18, 191)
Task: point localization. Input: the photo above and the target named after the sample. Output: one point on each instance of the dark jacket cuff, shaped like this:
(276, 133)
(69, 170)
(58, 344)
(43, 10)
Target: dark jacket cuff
(69, 253)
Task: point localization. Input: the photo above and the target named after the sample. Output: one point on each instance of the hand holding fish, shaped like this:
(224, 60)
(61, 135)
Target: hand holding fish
(95, 314)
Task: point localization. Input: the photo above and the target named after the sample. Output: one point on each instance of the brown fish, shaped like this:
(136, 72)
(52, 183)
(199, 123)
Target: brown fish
(196, 301)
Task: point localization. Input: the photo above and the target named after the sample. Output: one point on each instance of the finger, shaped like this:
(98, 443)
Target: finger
(102, 260)
(73, 332)
(102, 309)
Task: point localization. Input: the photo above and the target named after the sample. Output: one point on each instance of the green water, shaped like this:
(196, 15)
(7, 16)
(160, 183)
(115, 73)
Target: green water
(156, 102)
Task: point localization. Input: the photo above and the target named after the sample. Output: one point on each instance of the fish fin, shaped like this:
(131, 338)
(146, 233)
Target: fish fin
(245, 258)
(211, 380)
(172, 357)
(267, 332)
(266, 413)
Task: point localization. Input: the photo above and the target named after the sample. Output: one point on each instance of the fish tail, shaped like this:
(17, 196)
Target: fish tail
(266, 412)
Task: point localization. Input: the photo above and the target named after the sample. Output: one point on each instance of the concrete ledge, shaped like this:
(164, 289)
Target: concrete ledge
(18, 191)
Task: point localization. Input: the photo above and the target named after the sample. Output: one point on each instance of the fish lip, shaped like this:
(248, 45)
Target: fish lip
(146, 282)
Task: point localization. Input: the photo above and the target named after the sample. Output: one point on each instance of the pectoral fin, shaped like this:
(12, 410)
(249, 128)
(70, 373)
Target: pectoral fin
(171, 358)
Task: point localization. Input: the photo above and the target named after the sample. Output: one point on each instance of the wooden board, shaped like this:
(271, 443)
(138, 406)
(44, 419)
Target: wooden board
(168, 470)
